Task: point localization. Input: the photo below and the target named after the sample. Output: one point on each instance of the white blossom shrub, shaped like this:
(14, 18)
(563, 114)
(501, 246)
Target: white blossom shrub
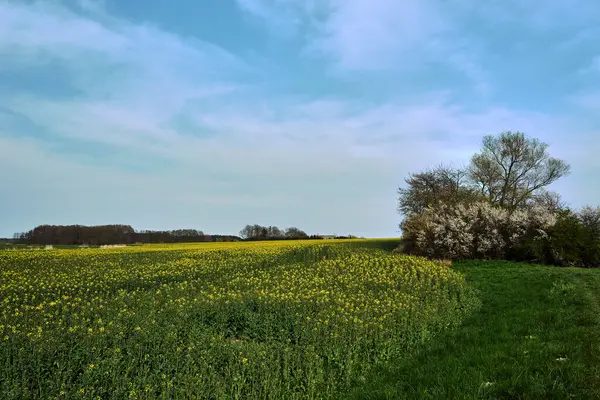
(476, 230)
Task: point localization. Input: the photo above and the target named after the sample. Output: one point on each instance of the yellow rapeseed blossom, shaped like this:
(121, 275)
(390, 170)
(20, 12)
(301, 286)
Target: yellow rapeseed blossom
(163, 309)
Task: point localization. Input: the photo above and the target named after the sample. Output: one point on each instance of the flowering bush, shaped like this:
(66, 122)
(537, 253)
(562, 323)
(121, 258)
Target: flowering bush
(477, 230)
(573, 241)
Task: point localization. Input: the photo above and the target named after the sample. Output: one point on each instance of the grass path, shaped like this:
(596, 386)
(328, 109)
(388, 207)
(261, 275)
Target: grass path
(537, 336)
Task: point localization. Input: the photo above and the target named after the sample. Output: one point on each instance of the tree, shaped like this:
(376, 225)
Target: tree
(246, 233)
(295, 233)
(258, 232)
(548, 200)
(108, 234)
(512, 168)
(274, 233)
(590, 219)
(254, 232)
(441, 184)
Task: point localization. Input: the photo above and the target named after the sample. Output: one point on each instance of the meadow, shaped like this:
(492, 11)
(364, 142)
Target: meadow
(536, 336)
(281, 320)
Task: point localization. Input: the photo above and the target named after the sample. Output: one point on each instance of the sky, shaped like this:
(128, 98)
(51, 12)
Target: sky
(215, 114)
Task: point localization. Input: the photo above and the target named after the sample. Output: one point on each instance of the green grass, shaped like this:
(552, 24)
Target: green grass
(536, 336)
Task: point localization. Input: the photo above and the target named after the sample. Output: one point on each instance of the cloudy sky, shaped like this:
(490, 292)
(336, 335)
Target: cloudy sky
(214, 114)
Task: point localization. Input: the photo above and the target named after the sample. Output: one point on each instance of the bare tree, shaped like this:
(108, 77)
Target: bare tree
(274, 233)
(590, 219)
(441, 184)
(512, 168)
(295, 233)
(259, 232)
(549, 200)
(247, 232)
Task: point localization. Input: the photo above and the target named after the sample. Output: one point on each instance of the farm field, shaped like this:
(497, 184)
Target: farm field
(332, 319)
(231, 320)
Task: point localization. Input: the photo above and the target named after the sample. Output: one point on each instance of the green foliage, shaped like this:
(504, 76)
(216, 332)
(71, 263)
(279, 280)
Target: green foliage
(572, 241)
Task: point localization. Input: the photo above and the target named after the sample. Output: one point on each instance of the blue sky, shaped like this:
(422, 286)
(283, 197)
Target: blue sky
(214, 114)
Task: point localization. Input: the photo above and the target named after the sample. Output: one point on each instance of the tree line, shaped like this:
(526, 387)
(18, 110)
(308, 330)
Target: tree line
(498, 206)
(112, 234)
(125, 234)
(259, 232)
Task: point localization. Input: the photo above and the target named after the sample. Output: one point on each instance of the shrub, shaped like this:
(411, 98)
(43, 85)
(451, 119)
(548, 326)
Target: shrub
(590, 222)
(477, 230)
(562, 245)
(573, 241)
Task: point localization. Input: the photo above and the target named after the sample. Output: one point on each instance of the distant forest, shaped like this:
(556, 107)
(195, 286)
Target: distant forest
(112, 234)
(125, 234)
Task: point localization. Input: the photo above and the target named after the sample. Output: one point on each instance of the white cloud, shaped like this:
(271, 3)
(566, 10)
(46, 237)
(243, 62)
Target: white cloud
(377, 36)
(330, 163)
(353, 29)
(336, 173)
(133, 78)
(397, 37)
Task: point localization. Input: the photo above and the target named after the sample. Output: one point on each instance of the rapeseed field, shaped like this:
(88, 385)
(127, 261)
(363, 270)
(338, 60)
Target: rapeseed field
(268, 320)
